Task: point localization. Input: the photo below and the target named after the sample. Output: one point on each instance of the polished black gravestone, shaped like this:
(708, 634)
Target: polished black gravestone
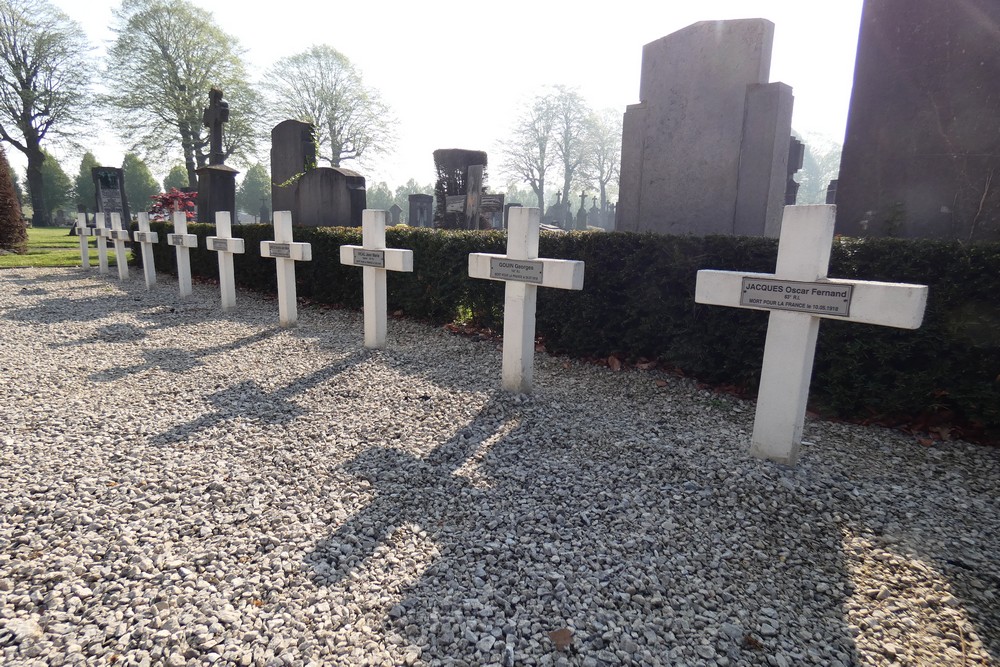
(921, 157)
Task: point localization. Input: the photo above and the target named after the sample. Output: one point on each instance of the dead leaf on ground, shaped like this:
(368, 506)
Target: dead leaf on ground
(661, 383)
(562, 638)
(752, 643)
(614, 363)
(646, 365)
(539, 347)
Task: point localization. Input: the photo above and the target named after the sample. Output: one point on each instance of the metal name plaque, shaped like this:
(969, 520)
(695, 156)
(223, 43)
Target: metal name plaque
(281, 250)
(816, 298)
(374, 258)
(175, 239)
(521, 270)
(220, 245)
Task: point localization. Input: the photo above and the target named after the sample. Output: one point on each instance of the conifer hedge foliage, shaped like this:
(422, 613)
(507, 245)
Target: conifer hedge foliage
(638, 302)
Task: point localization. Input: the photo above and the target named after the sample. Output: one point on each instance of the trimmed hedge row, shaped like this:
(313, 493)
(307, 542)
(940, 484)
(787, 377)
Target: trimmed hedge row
(638, 302)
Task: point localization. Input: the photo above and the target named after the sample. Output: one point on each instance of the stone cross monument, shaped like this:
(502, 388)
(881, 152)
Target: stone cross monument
(216, 181)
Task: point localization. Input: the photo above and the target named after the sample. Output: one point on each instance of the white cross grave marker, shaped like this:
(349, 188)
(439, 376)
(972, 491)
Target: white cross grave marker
(119, 236)
(146, 239)
(84, 232)
(523, 272)
(182, 242)
(225, 245)
(286, 253)
(797, 295)
(375, 259)
(100, 232)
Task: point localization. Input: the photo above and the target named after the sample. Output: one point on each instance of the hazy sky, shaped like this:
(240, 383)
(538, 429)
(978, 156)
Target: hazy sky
(457, 74)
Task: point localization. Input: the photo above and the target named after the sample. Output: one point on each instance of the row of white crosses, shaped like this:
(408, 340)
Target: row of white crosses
(797, 295)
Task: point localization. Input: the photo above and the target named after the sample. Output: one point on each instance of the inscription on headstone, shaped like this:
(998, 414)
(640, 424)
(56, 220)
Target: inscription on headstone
(281, 250)
(803, 297)
(374, 258)
(523, 271)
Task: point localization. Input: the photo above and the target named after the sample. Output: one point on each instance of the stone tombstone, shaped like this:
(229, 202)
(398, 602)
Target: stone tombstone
(831, 192)
(329, 197)
(796, 155)
(594, 216)
(921, 155)
(506, 211)
(109, 186)
(394, 214)
(216, 181)
(706, 148)
(581, 213)
(293, 152)
(421, 211)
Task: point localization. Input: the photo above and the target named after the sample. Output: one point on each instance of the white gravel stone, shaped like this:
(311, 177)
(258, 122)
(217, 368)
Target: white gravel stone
(181, 486)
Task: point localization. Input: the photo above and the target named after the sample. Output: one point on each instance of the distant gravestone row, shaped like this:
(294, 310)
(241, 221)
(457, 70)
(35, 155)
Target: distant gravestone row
(797, 295)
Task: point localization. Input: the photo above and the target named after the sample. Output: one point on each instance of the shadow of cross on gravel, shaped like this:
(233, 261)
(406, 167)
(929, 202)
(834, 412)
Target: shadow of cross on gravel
(422, 491)
(247, 400)
(176, 360)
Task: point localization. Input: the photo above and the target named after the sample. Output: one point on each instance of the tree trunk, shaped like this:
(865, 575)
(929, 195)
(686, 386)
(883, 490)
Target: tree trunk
(540, 194)
(187, 145)
(39, 214)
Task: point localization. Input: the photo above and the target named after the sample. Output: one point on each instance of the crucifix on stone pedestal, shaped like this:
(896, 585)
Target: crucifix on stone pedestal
(216, 181)
(797, 295)
(215, 115)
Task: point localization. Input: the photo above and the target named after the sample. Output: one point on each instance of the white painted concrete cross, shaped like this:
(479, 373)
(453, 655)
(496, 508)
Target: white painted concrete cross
(101, 233)
(523, 272)
(146, 239)
(182, 242)
(84, 232)
(225, 245)
(797, 295)
(119, 236)
(286, 253)
(375, 259)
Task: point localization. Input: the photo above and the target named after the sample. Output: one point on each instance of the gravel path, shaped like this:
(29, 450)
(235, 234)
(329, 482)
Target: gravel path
(183, 487)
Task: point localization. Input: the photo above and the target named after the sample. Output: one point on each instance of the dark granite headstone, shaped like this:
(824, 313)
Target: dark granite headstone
(109, 189)
(329, 197)
(921, 156)
(293, 152)
(796, 155)
(506, 212)
(421, 211)
(394, 213)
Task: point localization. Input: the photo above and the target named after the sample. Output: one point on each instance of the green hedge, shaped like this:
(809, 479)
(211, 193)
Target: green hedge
(638, 302)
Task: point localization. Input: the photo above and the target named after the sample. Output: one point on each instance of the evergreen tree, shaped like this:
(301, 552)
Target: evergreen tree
(256, 185)
(56, 189)
(177, 178)
(13, 235)
(84, 192)
(140, 186)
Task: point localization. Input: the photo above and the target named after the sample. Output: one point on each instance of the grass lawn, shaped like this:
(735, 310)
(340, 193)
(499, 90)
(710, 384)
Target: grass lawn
(53, 246)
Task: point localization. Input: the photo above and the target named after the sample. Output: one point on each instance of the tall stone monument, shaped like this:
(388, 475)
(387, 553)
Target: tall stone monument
(705, 150)
(216, 181)
(421, 211)
(921, 156)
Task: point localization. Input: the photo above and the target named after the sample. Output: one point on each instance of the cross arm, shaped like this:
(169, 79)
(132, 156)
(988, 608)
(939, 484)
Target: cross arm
(557, 273)
(225, 244)
(300, 252)
(899, 305)
(390, 259)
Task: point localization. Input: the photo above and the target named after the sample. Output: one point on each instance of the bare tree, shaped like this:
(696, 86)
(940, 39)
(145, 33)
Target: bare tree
(530, 152)
(321, 86)
(44, 77)
(604, 151)
(570, 135)
(167, 56)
